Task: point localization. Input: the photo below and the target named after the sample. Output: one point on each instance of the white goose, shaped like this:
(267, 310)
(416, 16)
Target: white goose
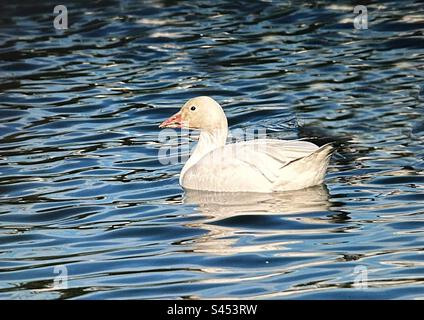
(261, 165)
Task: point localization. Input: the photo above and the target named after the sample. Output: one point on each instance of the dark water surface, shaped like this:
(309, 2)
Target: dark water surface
(82, 188)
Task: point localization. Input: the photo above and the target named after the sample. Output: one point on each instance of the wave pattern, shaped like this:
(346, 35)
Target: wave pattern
(82, 187)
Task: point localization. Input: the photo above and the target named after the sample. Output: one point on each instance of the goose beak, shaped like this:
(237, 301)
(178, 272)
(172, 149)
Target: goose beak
(172, 122)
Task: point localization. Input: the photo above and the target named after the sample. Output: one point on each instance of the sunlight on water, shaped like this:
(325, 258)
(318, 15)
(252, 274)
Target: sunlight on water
(88, 211)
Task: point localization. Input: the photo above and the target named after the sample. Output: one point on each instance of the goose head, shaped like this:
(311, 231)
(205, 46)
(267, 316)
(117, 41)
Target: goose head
(201, 113)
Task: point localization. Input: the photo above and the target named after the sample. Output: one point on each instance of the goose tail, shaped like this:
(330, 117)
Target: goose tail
(305, 172)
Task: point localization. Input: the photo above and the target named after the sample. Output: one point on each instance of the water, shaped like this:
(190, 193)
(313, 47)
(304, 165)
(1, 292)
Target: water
(82, 191)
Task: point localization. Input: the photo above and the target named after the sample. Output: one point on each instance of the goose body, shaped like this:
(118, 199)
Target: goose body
(261, 165)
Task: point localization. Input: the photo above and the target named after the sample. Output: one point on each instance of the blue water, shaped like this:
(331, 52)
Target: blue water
(82, 190)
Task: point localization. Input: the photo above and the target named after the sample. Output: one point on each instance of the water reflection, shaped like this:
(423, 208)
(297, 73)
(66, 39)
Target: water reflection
(224, 205)
(230, 215)
(81, 184)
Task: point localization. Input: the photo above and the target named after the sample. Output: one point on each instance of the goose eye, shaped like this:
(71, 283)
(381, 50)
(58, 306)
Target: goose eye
(193, 108)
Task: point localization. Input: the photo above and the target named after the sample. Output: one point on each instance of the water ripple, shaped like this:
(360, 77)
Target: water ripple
(81, 184)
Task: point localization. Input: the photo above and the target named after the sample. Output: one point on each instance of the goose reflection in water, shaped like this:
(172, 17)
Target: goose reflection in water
(227, 204)
(230, 216)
